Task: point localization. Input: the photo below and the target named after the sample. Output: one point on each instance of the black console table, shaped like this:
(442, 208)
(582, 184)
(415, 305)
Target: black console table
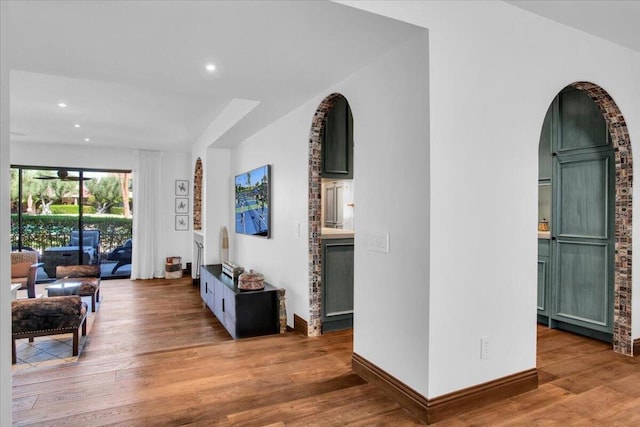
(242, 313)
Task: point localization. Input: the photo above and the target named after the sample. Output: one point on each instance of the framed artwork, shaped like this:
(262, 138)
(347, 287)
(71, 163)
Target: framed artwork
(182, 205)
(182, 187)
(182, 222)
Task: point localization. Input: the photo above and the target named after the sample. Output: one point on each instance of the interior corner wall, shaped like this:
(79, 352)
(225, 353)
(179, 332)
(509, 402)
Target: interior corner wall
(216, 202)
(494, 70)
(6, 405)
(283, 257)
(176, 166)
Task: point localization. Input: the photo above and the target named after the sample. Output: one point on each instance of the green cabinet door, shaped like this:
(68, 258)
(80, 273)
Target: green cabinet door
(544, 251)
(582, 246)
(337, 282)
(583, 241)
(337, 142)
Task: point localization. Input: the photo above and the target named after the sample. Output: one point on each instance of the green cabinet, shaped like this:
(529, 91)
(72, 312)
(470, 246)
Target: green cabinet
(544, 257)
(337, 142)
(337, 282)
(575, 268)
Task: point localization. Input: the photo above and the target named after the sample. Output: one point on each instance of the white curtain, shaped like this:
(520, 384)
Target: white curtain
(148, 228)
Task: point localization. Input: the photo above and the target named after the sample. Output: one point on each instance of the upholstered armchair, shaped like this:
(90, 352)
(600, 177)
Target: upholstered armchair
(21, 263)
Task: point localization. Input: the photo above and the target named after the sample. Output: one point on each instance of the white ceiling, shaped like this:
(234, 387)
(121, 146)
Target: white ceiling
(132, 72)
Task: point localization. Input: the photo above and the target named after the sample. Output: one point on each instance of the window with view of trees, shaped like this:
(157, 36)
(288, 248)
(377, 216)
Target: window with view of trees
(48, 204)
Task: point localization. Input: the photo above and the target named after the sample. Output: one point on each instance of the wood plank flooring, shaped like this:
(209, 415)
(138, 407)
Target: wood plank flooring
(156, 357)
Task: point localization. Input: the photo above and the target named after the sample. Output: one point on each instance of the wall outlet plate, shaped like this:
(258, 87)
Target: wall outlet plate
(378, 242)
(484, 348)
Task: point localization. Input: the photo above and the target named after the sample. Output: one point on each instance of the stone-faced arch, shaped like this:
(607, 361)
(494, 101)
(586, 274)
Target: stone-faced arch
(314, 325)
(622, 338)
(197, 195)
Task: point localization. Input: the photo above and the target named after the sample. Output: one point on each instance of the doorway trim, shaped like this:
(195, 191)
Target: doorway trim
(622, 338)
(314, 325)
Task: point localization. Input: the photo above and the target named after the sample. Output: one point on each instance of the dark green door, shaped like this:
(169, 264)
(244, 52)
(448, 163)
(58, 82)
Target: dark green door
(582, 209)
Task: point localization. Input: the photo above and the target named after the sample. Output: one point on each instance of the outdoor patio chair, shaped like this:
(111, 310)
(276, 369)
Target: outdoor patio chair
(122, 254)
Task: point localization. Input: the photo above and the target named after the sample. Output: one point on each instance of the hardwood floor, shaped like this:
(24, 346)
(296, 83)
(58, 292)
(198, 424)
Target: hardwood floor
(155, 356)
(582, 382)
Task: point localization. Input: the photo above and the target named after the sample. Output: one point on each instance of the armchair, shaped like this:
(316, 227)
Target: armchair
(21, 263)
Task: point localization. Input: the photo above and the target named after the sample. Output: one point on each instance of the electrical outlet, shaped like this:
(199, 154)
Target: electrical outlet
(378, 242)
(484, 348)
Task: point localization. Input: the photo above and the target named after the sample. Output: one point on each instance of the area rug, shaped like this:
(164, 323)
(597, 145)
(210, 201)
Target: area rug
(49, 351)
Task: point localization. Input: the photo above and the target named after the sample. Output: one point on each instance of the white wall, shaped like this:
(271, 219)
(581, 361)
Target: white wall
(79, 156)
(283, 258)
(175, 165)
(217, 192)
(389, 103)
(5, 225)
(494, 69)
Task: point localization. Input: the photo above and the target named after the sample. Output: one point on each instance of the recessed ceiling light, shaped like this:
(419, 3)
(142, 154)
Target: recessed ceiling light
(76, 125)
(87, 140)
(62, 105)
(210, 67)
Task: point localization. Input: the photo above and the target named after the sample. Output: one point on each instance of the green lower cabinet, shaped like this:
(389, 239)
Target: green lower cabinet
(543, 280)
(337, 284)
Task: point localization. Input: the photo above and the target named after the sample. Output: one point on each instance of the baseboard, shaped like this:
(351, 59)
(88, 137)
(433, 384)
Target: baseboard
(636, 347)
(442, 407)
(410, 399)
(482, 394)
(300, 325)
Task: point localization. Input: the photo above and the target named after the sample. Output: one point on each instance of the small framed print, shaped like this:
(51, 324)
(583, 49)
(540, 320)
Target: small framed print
(182, 205)
(182, 222)
(182, 187)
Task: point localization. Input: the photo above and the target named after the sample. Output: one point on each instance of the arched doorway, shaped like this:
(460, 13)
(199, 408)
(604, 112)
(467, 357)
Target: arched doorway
(622, 211)
(318, 124)
(197, 196)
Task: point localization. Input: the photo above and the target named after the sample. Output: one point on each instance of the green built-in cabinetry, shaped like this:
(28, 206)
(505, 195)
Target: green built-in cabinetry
(544, 258)
(337, 142)
(337, 282)
(577, 176)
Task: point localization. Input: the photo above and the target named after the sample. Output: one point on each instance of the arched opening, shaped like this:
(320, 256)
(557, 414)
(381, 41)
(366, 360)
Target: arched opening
(197, 195)
(621, 209)
(318, 126)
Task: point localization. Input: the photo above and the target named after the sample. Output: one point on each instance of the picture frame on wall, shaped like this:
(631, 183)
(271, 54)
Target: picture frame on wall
(182, 222)
(182, 205)
(182, 187)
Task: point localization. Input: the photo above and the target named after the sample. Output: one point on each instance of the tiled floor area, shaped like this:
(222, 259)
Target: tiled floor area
(53, 349)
